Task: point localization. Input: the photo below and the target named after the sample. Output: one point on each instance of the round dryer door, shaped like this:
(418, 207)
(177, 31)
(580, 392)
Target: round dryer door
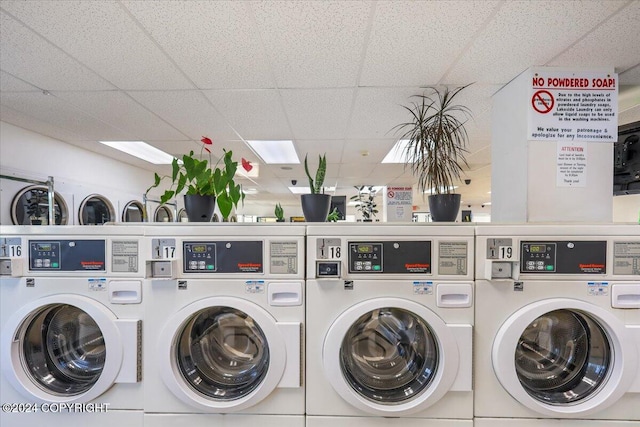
(222, 354)
(61, 349)
(390, 357)
(563, 357)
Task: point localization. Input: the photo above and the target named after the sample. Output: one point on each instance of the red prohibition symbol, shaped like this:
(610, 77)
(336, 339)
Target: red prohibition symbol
(542, 101)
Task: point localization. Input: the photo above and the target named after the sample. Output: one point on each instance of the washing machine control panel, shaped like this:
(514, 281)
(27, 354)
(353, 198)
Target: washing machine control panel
(404, 257)
(563, 257)
(67, 255)
(223, 257)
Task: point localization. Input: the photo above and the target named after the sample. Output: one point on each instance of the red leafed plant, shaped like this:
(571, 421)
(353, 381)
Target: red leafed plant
(199, 178)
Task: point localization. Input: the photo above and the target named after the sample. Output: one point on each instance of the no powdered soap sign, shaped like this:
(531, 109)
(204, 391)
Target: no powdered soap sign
(573, 106)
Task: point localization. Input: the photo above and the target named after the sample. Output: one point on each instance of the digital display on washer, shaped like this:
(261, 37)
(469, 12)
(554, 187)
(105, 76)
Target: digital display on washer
(537, 249)
(365, 249)
(199, 248)
(44, 247)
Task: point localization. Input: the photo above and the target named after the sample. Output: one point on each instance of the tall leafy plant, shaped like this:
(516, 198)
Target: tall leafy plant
(365, 202)
(436, 138)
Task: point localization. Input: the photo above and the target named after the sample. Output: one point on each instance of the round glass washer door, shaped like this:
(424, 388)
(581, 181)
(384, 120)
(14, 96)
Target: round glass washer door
(390, 356)
(96, 210)
(564, 357)
(163, 214)
(63, 348)
(133, 212)
(30, 206)
(221, 354)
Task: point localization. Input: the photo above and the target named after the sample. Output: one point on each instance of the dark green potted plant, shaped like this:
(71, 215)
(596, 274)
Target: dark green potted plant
(315, 206)
(365, 202)
(279, 213)
(437, 141)
(205, 186)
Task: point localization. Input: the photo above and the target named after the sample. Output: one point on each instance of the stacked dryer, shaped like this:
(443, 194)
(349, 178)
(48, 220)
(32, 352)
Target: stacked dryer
(389, 325)
(71, 318)
(224, 332)
(557, 326)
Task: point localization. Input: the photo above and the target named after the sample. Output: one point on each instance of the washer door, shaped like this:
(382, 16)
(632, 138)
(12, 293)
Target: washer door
(222, 354)
(390, 357)
(63, 348)
(564, 357)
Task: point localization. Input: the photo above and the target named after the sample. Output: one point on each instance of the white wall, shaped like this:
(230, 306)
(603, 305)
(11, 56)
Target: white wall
(626, 208)
(76, 172)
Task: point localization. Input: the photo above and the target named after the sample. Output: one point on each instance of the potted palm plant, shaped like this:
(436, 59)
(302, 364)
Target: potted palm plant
(436, 146)
(205, 186)
(315, 206)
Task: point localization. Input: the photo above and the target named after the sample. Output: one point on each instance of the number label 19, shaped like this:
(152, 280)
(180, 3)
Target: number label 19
(505, 252)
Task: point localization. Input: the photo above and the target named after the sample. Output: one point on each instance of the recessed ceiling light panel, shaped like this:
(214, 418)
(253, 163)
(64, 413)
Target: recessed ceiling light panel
(141, 150)
(275, 152)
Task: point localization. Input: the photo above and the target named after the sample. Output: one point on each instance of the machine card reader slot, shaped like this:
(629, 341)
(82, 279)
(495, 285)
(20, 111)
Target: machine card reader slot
(161, 269)
(328, 269)
(11, 267)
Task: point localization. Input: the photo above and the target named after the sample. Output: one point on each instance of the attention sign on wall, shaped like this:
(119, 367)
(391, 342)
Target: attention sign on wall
(573, 106)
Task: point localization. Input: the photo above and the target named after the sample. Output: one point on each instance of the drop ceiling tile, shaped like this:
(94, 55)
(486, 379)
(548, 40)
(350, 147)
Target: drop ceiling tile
(214, 43)
(480, 157)
(11, 83)
(615, 42)
(188, 111)
(122, 112)
(254, 114)
(378, 110)
(318, 114)
(524, 34)
(313, 44)
(413, 43)
(314, 148)
(104, 37)
(631, 76)
(43, 127)
(56, 111)
(378, 175)
(375, 149)
(26, 55)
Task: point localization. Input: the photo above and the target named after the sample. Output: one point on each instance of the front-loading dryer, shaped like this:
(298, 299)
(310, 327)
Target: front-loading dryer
(71, 300)
(389, 325)
(223, 336)
(557, 325)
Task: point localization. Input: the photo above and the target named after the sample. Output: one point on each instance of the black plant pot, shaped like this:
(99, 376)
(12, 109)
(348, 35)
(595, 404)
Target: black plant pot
(199, 208)
(444, 207)
(315, 207)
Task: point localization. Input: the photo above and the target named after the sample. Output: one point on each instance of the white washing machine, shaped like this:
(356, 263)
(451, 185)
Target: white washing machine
(389, 325)
(71, 325)
(223, 336)
(557, 325)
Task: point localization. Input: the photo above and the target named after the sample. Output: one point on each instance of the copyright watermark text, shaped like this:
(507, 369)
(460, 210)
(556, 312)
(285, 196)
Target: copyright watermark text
(55, 408)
